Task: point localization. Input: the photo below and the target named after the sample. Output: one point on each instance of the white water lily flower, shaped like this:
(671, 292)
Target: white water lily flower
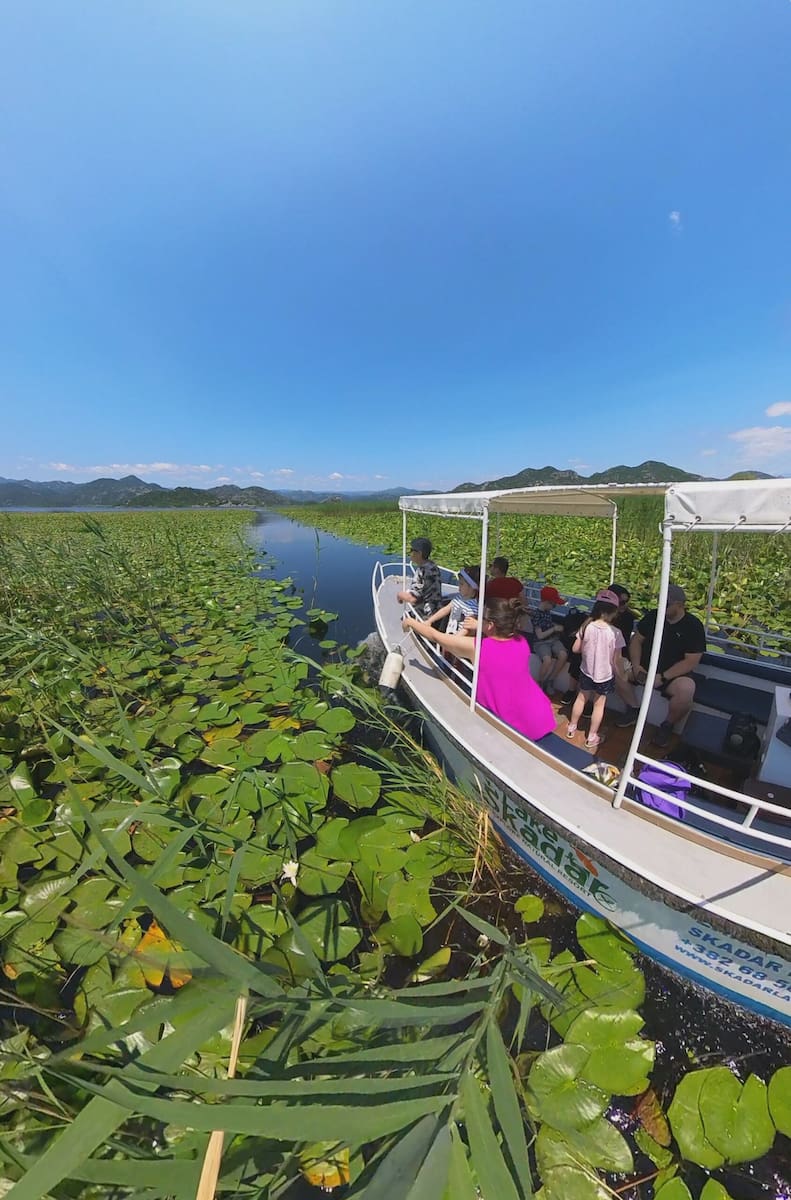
(290, 872)
(414, 836)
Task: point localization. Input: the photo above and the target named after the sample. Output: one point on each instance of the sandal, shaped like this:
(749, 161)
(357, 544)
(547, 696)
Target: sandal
(571, 730)
(593, 743)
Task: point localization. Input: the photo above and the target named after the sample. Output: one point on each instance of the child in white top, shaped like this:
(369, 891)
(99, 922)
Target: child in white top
(600, 645)
(462, 606)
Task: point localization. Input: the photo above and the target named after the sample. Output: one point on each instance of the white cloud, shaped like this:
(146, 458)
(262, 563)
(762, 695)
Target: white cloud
(222, 479)
(170, 469)
(707, 453)
(782, 409)
(761, 442)
(674, 217)
(283, 471)
(336, 475)
(380, 476)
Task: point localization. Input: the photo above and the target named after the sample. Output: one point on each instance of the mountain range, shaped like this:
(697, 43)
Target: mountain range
(647, 472)
(134, 492)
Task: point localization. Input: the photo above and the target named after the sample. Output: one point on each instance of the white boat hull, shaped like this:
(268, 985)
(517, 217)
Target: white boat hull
(710, 912)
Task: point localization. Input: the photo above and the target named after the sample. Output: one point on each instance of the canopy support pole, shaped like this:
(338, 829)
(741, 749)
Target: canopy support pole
(403, 547)
(712, 581)
(497, 545)
(614, 542)
(481, 601)
(653, 663)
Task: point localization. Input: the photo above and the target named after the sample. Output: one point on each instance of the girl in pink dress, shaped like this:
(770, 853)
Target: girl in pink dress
(505, 686)
(600, 644)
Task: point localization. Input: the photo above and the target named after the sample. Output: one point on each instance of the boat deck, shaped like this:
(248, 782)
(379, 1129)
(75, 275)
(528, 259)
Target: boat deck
(728, 874)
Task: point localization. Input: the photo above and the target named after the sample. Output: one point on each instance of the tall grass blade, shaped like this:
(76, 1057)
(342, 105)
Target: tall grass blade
(494, 1178)
(399, 1168)
(506, 1106)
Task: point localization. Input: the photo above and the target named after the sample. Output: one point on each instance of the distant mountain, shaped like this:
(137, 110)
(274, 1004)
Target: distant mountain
(127, 492)
(530, 477)
(647, 472)
(62, 493)
(297, 496)
(752, 475)
(180, 497)
(245, 497)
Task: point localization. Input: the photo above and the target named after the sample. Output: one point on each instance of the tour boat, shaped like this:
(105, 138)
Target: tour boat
(707, 894)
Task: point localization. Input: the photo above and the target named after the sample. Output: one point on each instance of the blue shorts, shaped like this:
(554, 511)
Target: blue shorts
(601, 689)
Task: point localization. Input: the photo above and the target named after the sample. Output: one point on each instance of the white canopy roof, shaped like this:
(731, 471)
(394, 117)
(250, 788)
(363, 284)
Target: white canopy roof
(755, 503)
(763, 504)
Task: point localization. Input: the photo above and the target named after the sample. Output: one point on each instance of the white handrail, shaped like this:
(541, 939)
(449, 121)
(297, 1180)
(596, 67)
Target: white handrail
(726, 822)
(671, 769)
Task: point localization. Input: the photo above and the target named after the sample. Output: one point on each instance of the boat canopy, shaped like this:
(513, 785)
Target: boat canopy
(757, 504)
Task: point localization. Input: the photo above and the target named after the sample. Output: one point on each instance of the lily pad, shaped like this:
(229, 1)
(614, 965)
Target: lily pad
(619, 1061)
(403, 934)
(320, 876)
(736, 1117)
(323, 923)
(356, 785)
(410, 897)
(559, 1095)
(687, 1123)
(780, 1099)
(336, 720)
(530, 908)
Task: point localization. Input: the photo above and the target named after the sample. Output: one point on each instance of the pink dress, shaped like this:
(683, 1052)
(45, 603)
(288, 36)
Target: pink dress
(507, 689)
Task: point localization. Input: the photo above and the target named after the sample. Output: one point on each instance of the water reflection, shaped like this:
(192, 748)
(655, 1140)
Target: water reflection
(329, 572)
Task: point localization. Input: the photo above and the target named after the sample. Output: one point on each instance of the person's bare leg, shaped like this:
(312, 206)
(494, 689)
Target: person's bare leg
(576, 712)
(596, 716)
(680, 695)
(626, 692)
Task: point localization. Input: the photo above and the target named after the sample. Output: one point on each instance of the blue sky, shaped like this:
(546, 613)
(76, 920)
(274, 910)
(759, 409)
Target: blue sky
(361, 244)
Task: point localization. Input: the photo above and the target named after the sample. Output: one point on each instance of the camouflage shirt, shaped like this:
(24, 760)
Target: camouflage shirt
(426, 587)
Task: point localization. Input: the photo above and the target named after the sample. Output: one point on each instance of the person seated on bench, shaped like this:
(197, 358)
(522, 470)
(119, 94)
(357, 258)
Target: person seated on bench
(624, 619)
(464, 605)
(500, 584)
(505, 685)
(546, 640)
(683, 645)
(425, 590)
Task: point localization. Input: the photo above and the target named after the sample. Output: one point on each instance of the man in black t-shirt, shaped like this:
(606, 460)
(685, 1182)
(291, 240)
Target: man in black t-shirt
(683, 644)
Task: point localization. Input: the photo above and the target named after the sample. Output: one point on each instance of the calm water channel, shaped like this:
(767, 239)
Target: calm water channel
(330, 573)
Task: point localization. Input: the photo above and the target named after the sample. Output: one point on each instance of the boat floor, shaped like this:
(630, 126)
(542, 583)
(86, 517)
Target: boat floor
(731, 876)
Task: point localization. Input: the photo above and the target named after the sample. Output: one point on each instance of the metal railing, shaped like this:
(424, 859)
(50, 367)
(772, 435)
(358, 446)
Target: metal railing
(753, 804)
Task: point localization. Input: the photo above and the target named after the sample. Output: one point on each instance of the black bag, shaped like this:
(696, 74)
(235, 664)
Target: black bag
(741, 737)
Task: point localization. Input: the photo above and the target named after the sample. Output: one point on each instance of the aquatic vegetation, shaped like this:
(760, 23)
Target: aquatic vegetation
(237, 898)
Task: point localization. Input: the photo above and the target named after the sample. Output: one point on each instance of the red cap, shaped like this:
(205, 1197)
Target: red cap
(552, 594)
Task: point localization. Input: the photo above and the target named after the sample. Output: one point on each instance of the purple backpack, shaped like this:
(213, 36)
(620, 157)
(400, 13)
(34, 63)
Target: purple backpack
(667, 783)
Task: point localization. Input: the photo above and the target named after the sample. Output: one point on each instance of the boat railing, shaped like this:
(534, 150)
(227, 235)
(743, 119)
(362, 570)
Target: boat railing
(755, 807)
(750, 641)
(382, 569)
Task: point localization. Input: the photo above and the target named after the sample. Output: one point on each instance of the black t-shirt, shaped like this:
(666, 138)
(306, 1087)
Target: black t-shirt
(625, 622)
(686, 636)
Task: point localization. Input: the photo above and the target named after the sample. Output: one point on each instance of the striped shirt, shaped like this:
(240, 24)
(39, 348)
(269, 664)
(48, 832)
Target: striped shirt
(461, 607)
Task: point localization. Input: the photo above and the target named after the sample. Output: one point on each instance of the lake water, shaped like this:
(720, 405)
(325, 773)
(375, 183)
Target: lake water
(330, 572)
